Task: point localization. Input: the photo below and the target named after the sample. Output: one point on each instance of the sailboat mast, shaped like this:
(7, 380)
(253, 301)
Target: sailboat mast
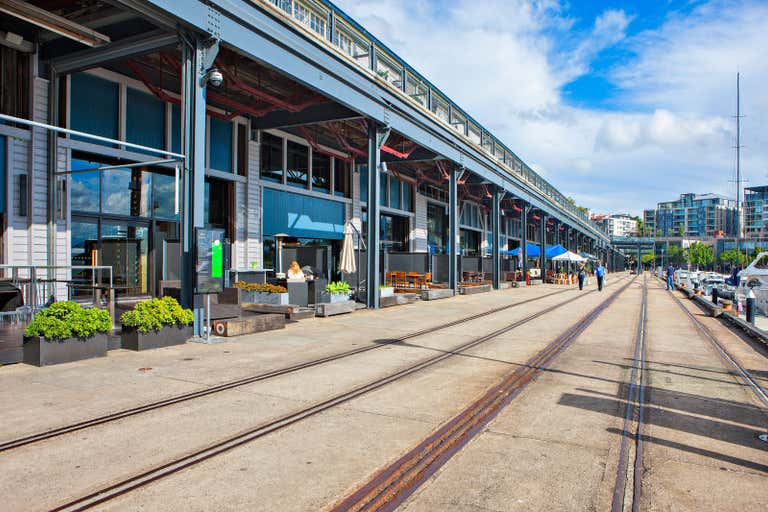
(738, 165)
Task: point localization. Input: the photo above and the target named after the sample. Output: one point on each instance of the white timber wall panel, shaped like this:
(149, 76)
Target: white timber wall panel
(253, 246)
(239, 252)
(357, 209)
(419, 225)
(39, 183)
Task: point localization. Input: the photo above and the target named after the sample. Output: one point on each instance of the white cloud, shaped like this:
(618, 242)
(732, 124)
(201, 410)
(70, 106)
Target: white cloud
(662, 129)
(671, 129)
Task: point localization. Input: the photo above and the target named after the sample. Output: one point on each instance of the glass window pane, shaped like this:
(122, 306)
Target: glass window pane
(164, 196)
(298, 164)
(220, 140)
(126, 192)
(341, 177)
(85, 241)
(145, 119)
(125, 249)
(383, 189)
(242, 150)
(271, 158)
(84, 187)
(93, 106)
(394, 193)
(363, 183)
(407, 203)
(321, 172)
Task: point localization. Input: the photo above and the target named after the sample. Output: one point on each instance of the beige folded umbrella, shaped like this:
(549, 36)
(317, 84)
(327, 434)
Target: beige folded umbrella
(347, 264)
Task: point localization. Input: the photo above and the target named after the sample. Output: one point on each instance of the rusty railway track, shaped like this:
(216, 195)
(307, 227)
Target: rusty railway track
(392, 485)
(146, 477)
(730, 360)
(634, 421)
(134, 411)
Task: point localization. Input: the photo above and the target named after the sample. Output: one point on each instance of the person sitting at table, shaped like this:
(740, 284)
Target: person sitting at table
(294, 272)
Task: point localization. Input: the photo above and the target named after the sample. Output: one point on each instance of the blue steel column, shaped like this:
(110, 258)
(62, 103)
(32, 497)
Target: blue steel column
(372, 233)
(496, 236)
(543, 245)
(453, 229)
(193, 179)
(555, 231)
(523, 252)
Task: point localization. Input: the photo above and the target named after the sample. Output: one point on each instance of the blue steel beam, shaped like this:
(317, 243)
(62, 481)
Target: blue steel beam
(254, 33)
(130, 47)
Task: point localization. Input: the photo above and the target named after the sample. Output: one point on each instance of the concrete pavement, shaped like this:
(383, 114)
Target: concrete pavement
(554, 447)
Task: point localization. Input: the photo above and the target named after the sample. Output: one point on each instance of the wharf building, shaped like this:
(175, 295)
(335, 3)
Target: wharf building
(693, 215)
(128, 125)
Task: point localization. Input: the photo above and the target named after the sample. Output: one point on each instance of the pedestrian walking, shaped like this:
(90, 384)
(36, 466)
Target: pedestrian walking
(600, 273)
(582, 275)
(670, 277)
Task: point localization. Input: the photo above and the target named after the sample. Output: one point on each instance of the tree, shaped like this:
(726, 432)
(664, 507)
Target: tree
(700, 254)
(673, 254)
(733, 257)
(648, 259)
(640, 226)
(757, 251)
(681, 230)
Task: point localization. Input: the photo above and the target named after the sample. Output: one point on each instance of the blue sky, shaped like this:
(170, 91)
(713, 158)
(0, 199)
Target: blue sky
(595, 88)
(618, 104)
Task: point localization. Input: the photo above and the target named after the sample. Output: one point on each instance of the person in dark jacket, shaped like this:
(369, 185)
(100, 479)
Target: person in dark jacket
(600, 273)
(582, 275)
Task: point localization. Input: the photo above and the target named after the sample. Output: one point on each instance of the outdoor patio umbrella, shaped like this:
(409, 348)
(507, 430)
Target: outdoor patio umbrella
(347, 265)
(570, 257)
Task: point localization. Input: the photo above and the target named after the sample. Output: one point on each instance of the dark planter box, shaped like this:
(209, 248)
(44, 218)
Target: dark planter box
(169, 335)
(43, 352)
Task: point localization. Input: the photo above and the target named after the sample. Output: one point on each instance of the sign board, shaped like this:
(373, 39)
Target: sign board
(209, 267)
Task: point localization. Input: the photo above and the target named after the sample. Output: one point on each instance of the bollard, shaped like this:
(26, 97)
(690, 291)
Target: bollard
(714, 296)
(751, 306)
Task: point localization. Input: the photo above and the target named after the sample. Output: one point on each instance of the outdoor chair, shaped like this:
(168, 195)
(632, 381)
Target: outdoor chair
(401, 280)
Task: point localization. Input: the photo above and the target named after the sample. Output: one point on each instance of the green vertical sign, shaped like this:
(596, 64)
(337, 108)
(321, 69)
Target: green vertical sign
(217, 259)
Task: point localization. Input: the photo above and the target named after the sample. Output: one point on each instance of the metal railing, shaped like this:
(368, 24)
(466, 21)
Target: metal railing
(40, 284)
(326, 23)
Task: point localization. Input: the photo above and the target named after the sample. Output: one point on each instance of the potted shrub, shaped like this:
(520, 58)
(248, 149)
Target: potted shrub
(386, 290)
(338, 290)
(66, 332)
(262, 293)
(156, 323)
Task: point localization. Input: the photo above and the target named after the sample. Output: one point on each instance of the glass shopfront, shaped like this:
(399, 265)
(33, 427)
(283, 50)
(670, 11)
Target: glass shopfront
(122, 218)
(437, 228)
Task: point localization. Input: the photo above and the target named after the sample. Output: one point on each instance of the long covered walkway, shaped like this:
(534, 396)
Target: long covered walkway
(334, 414)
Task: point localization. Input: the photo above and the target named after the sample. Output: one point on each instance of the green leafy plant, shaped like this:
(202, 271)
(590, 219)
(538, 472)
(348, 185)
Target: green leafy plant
(68, 320)
(154, 314)
(260, 287)
(340, 287)
(700, 255)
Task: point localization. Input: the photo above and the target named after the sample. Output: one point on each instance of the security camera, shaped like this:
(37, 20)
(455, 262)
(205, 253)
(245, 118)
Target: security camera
(215, 77)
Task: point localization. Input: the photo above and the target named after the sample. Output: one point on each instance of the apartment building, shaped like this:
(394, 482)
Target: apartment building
(693, 215)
